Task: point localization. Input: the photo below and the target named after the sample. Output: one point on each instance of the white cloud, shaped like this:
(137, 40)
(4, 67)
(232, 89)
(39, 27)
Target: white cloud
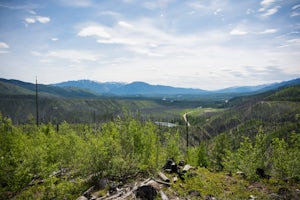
(268, 7)
(3, 45)
(295, 14)
(30, 20)
(68, 54)
(140, 37)
(249, 11)
(34, 19)
(76, 3)
(237, 31)
(196, 68)
(42, 19)
(25, 7)
(217, 11)
(269, 31)
(270, 11)
(188, 43)
(295, 7)
(94, 30)
(266, 3)
(157, 4)
(144, 38)
(125, 24)
(32, 12)
(110, 13)
(297, 40)
(211, 5)
(117, 40)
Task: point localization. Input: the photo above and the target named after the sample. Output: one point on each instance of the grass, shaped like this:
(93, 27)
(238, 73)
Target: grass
(196, 112)
(222, 186)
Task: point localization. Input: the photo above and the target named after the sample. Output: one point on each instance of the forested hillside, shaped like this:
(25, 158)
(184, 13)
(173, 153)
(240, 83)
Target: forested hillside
(20, 108)
(272, 110)
(249, 149)
(252, 128)
(16, 87)
(80, 105)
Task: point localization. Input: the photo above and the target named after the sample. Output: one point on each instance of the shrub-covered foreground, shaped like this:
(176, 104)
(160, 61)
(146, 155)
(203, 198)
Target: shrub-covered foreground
(43, 163)
(261, 157)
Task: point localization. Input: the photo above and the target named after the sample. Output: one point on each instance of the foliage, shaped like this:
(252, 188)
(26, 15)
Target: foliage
(220, 186)
(197, 156)
(287, 94)
(217, 151)
(278, 158)
(32, 155)
(46, 161)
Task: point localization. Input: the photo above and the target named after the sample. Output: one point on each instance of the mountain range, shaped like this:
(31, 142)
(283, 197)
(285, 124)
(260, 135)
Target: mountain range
(145, 89)
(131, 89)
(93, 89)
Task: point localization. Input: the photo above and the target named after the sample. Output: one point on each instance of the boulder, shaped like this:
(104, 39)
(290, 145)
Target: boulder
(194, 193)
(146, 192)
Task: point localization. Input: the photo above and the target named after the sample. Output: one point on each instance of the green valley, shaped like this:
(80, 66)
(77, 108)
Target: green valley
(243, 148)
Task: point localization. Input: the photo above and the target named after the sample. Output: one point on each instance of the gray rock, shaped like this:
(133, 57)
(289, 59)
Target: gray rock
(194, 193)
(82, 198)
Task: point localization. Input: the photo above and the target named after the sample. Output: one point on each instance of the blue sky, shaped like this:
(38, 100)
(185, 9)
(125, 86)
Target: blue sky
(188, 43)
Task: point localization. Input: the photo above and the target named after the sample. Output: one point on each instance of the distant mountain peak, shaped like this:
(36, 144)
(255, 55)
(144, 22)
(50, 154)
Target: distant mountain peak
(89, 88)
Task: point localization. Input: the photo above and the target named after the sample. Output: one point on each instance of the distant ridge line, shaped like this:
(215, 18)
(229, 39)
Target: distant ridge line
(93, 89)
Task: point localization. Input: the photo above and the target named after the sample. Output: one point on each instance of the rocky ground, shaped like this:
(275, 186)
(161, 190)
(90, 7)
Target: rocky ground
(182, 181)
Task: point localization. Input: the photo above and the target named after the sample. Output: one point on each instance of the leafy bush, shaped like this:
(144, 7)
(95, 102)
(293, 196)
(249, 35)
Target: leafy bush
(32, 155)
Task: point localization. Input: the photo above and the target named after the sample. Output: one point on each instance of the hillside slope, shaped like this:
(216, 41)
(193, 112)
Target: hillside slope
(275, 111)
(17, 87)
(7, 88)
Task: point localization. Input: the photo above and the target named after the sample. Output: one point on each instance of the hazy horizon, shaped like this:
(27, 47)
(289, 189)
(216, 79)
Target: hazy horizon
(235, 86)
(192, 44)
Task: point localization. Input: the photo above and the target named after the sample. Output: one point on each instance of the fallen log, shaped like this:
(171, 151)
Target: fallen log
(88, 192)
(175, 179)
(131, 192)
(134, 189)
(128, 194)
(186, 168)
(163, 182)
(146, 181)
(163, 177)
(163, 195)
(111, 197)
(146, 187)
